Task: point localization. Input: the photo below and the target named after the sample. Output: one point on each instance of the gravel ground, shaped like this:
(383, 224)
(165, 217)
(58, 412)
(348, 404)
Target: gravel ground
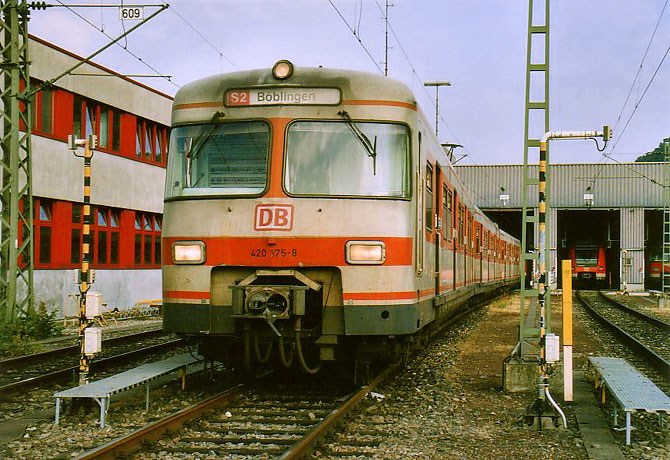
(448, 404)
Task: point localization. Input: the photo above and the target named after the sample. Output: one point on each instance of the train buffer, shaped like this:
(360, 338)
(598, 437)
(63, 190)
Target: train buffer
(103, 390)
(630, 390)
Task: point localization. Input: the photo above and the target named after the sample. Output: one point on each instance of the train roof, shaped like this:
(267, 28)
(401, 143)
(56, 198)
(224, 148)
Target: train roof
(353, 84)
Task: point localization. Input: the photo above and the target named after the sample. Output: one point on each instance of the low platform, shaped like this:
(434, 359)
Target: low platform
(632, 391)
(102, 390)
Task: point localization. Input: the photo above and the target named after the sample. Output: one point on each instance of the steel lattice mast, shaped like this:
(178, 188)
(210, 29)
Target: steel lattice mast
(16, 230)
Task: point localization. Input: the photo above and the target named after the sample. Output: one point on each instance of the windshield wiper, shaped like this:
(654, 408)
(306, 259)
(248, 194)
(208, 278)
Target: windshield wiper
(196, 144)
(370, 147)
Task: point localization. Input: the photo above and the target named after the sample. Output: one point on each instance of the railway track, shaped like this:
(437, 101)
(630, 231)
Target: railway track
(29, 371)
(649, 336)
(285, 423)
(74, 350)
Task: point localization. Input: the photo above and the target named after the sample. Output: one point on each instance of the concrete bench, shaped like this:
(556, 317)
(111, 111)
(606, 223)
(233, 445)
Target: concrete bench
(632, 391)
(102, 390)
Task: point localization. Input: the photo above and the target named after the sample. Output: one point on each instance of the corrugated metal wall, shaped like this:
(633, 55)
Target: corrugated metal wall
(632, 246)
(612, 185)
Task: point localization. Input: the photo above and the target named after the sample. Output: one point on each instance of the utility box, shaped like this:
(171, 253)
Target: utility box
(92, 340)
(93, 304)
(552, 348)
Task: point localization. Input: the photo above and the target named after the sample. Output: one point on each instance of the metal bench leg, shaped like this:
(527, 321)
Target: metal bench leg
(103, 403)
(616, 415)
(57, 410)
(628, 428)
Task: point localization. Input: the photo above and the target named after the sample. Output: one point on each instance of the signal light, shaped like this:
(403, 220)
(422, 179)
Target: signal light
(282, 69)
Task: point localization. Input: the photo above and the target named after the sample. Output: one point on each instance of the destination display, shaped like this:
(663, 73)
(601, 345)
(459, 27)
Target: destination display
(282, 96)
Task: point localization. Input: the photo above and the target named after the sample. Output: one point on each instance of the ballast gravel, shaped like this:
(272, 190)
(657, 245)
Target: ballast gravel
(447, 404)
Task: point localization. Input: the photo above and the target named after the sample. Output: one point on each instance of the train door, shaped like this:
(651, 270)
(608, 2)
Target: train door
(448, 232)
(420, 231)
(478, 251)
(466, 245)
(438, 225)
(456, 231)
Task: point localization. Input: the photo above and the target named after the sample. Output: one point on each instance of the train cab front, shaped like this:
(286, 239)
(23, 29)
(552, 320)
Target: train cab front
(288, 219)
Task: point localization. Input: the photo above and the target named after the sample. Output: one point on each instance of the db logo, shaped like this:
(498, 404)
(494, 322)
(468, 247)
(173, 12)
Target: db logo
(273, 217)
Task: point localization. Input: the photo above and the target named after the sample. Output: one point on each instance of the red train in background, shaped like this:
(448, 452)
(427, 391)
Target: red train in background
(589, 266)
(656, 269)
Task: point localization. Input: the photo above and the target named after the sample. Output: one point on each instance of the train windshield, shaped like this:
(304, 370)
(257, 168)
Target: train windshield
(218, 159)
(586, 257)
(328, 159)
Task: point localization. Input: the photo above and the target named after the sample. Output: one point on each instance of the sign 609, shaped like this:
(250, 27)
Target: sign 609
(131, 13)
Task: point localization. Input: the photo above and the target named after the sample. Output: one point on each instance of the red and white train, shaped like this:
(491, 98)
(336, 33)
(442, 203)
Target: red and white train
(311, 213)
(589, 266)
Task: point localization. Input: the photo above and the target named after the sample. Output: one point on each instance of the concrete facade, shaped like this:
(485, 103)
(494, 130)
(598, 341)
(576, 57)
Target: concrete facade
(124, 182)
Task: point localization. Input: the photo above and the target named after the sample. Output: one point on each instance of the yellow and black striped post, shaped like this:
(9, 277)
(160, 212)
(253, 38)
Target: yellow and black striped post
(542, 265)
(84, 285)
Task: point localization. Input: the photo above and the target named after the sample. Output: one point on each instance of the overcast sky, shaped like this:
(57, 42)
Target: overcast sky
(597, 47)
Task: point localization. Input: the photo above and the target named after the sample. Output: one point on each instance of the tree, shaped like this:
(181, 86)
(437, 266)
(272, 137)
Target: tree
(658, 154)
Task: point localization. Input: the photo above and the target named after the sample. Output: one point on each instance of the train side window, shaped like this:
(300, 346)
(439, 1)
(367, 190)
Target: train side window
(460, 226)
(429, 197)
(477, 240)
(447, 207)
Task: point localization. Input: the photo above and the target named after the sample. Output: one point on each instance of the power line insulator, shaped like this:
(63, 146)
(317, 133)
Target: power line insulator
(38, 5)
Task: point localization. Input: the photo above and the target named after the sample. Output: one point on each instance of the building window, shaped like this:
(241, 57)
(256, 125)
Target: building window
(147, 239)
(161, 135)
(43, 230)
(103, 139)
(42, 114)
(76, 234)
(108, 227)
(116, 131)
(77, 108)
(91, 126)
(151, 142)
(89, 117)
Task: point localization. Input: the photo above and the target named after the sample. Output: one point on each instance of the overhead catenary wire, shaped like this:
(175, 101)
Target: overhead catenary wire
(606, 157)
(353, 31)
(158, 73)
(221, 55)
(639, 101)
(639, 70)
(420, 79)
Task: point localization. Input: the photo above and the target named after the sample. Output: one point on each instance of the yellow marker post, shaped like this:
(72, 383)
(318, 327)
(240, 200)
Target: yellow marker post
(566, 270)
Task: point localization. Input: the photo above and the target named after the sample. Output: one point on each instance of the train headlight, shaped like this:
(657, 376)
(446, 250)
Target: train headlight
(365, 252)
(282, 69)
(188, 252)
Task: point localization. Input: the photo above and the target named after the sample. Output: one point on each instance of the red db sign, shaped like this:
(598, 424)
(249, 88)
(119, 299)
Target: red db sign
(273, 217)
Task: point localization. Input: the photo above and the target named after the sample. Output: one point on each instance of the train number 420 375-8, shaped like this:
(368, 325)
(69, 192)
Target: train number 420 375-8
(274, 253)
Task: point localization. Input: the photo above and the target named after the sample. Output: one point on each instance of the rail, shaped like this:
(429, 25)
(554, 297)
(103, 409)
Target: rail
(128, 445)
(661, 364)
(61, 374)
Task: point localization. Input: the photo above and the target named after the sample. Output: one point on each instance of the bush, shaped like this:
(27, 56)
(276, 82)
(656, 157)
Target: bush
(42, 325)
(16, 337)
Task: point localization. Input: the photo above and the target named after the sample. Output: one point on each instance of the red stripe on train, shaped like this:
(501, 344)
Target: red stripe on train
(288, 251)
(185, 295)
